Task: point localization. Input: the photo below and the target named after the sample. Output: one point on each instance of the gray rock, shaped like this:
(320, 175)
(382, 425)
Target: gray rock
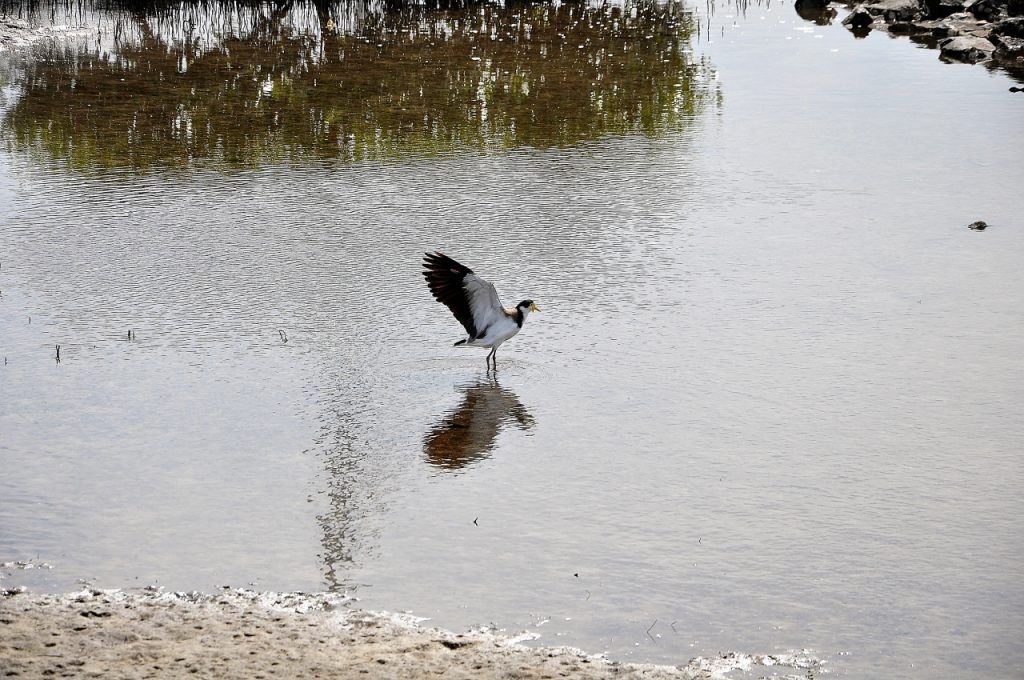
(967, 49)
(909, 28)
(925, 26)
(940, 9)
(954, 25)
(1012, 27)
(1008, 48)
(983, 9)
(860, 17)
(823, 15)
(899, 10)
(980, 225)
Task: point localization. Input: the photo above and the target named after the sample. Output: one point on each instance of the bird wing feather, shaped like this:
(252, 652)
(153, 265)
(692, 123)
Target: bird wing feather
(471, 299)
(483, 303)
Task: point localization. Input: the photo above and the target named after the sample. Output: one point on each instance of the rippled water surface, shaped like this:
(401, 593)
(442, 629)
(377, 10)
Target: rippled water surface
(772, 400)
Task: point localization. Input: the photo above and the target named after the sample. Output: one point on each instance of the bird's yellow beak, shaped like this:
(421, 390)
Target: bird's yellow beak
(534, 307)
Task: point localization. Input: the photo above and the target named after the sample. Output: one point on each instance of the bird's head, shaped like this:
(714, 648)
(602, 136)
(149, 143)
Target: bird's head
(527, 306)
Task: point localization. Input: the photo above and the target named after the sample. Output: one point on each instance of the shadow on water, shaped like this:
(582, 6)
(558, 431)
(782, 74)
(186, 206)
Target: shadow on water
(469, 432)
(240, 85)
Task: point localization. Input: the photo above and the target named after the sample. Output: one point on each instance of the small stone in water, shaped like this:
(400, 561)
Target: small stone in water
(980, 225)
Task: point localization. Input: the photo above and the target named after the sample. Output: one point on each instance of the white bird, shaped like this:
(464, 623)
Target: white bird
(475, 303)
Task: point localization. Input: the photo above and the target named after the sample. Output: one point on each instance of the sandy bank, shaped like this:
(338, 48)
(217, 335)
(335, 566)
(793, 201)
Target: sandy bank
(248, 634)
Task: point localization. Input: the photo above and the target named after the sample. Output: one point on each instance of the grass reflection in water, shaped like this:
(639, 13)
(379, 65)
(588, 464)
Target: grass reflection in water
(236, 86)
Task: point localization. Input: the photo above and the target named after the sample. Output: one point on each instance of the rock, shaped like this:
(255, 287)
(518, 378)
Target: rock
(966, 30)
(822, 16)
(983, 9)
(954, 25)
(980, 225)
(968, 49)
(899, 10)
(909, 28)
(1012, 27)
(1008, 48)
(860, 17)
(925, 27)
(940, 9)
(941, 29)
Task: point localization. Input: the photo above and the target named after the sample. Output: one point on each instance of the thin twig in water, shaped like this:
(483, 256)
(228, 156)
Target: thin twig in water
(649, 630)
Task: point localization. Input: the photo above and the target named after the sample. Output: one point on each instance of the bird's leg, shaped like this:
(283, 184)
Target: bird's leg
(489, 357)
(494, 358)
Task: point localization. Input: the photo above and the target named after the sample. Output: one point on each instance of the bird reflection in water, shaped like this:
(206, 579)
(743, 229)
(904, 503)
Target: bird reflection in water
(468, 433)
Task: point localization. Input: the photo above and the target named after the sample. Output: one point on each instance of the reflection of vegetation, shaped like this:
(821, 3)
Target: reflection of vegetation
(209, 82)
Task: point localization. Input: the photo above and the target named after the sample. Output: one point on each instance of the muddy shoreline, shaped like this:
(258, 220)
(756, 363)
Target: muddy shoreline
(248, 634)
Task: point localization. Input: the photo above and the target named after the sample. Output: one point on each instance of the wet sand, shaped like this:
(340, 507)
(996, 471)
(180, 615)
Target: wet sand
(248, 634)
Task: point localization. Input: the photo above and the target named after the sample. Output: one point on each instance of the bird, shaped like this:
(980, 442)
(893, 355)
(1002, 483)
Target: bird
(474, 302)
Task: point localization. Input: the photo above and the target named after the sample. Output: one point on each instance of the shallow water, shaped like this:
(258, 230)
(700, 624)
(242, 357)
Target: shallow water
(772, 400)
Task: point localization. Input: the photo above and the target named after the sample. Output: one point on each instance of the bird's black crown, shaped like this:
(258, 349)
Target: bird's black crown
(525, 304)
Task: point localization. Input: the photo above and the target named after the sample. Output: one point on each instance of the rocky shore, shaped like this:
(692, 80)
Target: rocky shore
(968, 31)
(248, 634)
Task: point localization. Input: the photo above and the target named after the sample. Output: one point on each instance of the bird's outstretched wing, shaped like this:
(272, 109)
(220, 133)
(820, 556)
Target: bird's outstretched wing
(473, 301)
